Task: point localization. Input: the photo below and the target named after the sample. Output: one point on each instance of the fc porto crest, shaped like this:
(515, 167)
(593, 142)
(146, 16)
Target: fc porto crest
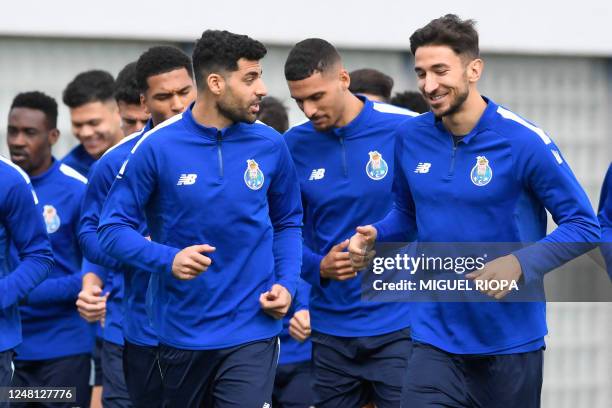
(52, 220)
(253, 176)
(481, 173)
(377, 167)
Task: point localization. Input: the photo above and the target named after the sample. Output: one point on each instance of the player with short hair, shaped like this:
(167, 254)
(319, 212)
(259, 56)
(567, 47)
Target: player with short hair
(164, 75)
(490, 177)
(57, 343)
(344, 159)
(372, 84)
(222, 207)
(94, 117)
(410, 100)
(273, 113)
(127, 94)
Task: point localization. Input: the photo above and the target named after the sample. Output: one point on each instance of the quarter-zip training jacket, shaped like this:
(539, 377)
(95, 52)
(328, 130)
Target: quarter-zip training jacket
(126, 314)
(51, 324)
(233, 188)
(345, 177)
(495, 185)
(21, 226)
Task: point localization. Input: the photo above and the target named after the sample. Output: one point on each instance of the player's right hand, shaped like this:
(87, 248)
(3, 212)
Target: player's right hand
(91, 304)
(337, 264)
(189, 263)
(299, 325)
(361, 246)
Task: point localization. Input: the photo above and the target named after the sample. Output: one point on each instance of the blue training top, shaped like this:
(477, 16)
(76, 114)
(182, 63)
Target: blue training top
(345, 177)
(233, 188)
(495, 185)
(21, 226)
(51, 324)
(126, 314)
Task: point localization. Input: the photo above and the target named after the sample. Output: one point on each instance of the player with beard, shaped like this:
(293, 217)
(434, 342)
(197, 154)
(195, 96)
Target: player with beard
(473, 171)
(94, 117)
(164, 76)
(344, 159)
(223, 211)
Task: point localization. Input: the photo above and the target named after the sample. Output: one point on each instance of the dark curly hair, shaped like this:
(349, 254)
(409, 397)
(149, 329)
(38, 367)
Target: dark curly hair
(310, 56)
(126, 88)
(89, 86)
(38, 101)
(273, 113)
(410, 100)
(218, 51)
(371, 81)
(159, 60)
(460, 35)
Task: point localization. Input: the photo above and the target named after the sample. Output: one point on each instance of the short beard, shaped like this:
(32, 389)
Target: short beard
(457, 104)
(233, 114)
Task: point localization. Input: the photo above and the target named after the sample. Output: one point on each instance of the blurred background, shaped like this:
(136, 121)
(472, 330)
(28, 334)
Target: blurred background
(548, 63)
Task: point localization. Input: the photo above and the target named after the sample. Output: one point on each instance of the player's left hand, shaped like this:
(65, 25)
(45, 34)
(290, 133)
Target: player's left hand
(299, 325)
(506, 268)
(276, 301)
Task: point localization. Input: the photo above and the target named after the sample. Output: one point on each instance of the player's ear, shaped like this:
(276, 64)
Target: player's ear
(345, 78)
(474, 69)
(54, 135)
(142, 102)
(216, 83)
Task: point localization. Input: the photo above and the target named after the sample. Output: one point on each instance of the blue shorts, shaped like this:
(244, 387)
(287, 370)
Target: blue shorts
(235, 377)
(114, 390)
(354, 371)
(70, 371)
(436, 378)
(293, 386)
(142, 375)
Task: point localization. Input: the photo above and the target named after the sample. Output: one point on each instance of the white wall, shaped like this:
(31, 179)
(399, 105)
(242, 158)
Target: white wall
(525, 26)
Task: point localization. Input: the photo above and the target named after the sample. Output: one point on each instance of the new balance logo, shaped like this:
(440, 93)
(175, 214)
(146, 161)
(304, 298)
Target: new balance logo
(187, 179)
(317, 174)
(422, 168)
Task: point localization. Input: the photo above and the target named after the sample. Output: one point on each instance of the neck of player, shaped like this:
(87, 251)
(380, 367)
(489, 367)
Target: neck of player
(465, 119)
(352, 108)
(205, 112)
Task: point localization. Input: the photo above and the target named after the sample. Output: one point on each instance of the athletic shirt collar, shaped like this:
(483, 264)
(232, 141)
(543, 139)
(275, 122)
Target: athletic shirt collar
(54, 166)
(485, 122)
(208, 132)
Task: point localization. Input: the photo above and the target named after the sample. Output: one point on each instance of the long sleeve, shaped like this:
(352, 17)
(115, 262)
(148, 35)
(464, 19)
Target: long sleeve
(399, 225)
(311, 266)
(286, 215)
(122, 214)
(55, 290)
(88, 266)
(302, 296)
(100, 181)
(23, 219)
(549, 177)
